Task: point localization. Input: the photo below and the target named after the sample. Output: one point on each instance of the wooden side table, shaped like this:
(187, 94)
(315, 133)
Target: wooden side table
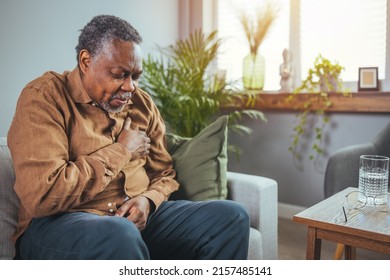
(367, 228)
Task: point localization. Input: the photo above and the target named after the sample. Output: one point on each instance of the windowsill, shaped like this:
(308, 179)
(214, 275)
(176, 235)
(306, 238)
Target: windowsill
(357, 102)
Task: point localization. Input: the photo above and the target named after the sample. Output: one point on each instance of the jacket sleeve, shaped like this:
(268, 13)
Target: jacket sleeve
(47, 182)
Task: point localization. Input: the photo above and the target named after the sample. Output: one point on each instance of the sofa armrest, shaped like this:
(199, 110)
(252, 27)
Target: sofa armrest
(259, 195)
(342, 169)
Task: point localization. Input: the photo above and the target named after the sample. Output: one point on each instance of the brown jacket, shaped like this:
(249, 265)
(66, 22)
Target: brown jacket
(66, 158)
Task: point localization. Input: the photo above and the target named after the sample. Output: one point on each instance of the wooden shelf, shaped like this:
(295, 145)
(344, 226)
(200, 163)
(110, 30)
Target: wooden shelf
(358, 102)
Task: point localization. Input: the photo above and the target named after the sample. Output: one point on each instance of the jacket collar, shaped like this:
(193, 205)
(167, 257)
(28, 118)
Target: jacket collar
(76, 88)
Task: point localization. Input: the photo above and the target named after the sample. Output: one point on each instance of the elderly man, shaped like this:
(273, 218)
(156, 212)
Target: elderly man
(92, 171)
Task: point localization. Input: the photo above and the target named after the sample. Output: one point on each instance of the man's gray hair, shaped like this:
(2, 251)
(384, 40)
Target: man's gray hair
(102, 29)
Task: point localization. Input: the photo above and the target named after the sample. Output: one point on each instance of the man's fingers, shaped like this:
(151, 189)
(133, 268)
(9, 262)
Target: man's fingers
(120, 213)
(136, 216)
(124, 209)
(127, 123)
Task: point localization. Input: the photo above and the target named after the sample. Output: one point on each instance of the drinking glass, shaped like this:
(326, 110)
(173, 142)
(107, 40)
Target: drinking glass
(373, 177)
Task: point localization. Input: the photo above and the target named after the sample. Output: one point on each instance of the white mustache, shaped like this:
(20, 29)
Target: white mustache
(124, 96)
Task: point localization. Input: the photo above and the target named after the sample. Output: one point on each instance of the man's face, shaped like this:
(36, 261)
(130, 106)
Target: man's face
(111, 76)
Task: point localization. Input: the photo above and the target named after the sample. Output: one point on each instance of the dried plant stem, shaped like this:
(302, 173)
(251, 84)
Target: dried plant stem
(257, 29)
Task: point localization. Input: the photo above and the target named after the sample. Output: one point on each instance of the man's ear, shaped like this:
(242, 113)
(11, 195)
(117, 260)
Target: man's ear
(84, 60)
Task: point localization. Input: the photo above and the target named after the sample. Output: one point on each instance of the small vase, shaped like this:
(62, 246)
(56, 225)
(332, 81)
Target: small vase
(253, 71)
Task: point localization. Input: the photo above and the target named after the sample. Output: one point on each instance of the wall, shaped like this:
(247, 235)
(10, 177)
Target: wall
(40, 35)
(265, 152)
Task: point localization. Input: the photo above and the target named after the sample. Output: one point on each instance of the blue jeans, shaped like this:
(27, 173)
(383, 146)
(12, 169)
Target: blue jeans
(177, 230)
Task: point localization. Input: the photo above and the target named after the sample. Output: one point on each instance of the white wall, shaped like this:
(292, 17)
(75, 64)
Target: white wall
(41, 35)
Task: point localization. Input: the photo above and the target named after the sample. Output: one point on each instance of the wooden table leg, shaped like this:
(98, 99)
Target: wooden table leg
(350, 252)
(339, 252)
(313, 249)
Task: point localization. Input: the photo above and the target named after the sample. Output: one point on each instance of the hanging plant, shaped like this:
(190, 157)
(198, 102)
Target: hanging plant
(323, 78)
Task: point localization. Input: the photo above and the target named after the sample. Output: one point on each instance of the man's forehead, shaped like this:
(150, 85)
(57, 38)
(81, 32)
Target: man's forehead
(122, 53)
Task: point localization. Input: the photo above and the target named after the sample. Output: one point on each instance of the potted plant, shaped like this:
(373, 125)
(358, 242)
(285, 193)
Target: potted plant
(256, 28)
(188, 94)
(323, 78)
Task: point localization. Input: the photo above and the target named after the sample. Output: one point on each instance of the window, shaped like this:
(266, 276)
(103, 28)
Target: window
(351, 32)
(235, 45)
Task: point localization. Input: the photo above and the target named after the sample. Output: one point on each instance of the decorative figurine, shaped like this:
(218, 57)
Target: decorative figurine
(286, 73)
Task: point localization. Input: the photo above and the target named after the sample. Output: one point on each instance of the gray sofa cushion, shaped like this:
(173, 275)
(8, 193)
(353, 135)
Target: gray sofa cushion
(9, 203)
(255, 243)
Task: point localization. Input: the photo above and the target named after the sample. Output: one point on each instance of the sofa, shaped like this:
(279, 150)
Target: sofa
(256, 193)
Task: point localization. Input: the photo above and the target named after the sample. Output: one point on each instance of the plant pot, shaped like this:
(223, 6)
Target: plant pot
(328, 83)
(253, 72)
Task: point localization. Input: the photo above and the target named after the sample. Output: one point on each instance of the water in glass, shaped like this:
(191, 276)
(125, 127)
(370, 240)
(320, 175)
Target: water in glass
(373, 184)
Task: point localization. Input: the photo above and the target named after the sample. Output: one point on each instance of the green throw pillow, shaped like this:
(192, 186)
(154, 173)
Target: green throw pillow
(201, 162)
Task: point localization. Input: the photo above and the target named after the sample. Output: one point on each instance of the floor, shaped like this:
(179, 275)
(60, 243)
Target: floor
(292, 244)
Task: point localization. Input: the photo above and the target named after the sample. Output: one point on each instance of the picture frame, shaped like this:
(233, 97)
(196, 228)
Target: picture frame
(368, 79)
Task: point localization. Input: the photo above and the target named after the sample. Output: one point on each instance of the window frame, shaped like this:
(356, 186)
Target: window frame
(206, 12)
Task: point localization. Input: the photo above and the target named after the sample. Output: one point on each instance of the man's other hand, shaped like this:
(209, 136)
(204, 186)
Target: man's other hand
(136, 210)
